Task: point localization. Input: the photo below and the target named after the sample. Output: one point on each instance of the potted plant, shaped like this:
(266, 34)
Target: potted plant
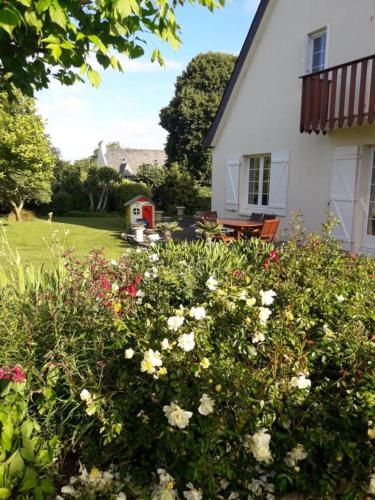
(208, 229)
(167, 228)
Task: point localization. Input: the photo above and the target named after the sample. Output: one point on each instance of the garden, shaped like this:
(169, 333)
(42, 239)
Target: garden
(191, 371)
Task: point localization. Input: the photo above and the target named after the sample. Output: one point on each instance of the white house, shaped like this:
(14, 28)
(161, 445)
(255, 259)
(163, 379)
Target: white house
(296, 127)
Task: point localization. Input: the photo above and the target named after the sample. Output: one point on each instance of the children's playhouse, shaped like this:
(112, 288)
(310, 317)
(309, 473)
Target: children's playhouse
(140, 210)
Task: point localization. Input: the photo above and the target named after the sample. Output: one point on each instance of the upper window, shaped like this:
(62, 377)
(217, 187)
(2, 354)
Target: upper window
(259, 180)
(316, 57)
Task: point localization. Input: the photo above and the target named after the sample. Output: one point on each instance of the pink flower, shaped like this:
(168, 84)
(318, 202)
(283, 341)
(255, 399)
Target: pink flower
(18, 374)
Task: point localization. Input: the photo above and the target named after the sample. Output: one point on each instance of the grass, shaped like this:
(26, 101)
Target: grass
(33, 239)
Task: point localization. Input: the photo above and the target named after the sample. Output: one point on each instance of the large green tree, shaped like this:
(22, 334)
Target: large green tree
(44, 39)
(26, 156)
(187, 118)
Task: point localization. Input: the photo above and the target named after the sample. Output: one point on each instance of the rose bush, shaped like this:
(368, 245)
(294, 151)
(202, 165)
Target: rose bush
(207, 371)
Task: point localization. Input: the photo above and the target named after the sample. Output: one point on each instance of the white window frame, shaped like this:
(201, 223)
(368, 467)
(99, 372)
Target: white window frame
(259, 206)
(309, 44)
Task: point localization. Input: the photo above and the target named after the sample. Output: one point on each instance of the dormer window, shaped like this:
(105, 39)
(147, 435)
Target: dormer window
(316, 56)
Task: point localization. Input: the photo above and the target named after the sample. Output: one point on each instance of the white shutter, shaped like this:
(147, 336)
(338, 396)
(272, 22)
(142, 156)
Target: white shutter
(306, 62)
(279, 183)
(343, 189)
(232, 174)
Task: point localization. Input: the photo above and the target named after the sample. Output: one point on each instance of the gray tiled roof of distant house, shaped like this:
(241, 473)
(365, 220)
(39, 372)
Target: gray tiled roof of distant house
(131, 159)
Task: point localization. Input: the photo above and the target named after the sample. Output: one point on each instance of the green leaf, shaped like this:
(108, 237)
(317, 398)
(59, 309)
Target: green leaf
(42, 5)
(122, 8)
(27, 428)
(55, 50)
(30, 479)
(27, 3)
(4, 493)
(46, 485)
(94, 77)
(32, 20)
(58, 15)
(7, 434)
(16, 464)
(8, 19)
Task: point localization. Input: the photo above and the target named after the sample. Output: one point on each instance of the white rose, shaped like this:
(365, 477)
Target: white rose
(295, 455)
(186, 341)
(301, 382)
(207, 405)
(192, 493)
(151, 359)
(259, 445)
(197, 313)
(211, 283)
(129, 353)
(165, 344)
(267, 297)
(154, 257)
(175, 322)
(177, 416)
(164, 477)
(264, 314)
(258, 337)
(85, 395)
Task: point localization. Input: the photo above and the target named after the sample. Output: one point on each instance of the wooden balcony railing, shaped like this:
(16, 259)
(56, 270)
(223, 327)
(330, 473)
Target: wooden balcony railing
(338, 97)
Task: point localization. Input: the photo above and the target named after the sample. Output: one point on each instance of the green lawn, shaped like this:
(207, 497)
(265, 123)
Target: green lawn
(33, 239)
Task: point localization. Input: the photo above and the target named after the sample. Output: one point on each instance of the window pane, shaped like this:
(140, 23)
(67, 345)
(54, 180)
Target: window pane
(319, 52)
(266, 180)
(254, 169)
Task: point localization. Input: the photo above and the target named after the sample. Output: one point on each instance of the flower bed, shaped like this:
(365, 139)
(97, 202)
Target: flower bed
(198, 372)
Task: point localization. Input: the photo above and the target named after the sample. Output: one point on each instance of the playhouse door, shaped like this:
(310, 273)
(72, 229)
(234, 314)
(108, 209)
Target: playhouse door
(147, 215)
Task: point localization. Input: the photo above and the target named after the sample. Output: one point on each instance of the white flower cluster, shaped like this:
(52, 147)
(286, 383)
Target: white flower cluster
(212, 283)
(164, 490)
(259, 445)
(295, 455)
(106, 483)
(177, 416)
(90, 400)
(186, 341)
(151, 360)
(300, 382)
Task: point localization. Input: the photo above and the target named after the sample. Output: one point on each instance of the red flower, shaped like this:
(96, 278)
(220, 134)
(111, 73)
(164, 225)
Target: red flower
(274, 255)
(132, 289)
(18, 374)
(105, 283)
(266, 265)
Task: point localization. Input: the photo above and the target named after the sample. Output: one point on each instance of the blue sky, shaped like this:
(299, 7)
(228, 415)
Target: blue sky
(126, 106)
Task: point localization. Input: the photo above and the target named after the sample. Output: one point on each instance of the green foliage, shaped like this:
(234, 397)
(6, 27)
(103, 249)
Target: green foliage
(270, 350)
(192, 109)
(180, 189)
(47, 39)
(151, 175)
(26, 157)
(126, 190)
(208, 229)
(27, 452)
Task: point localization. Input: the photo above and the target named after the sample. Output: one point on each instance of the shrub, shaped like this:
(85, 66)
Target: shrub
(126, 190)
(209, 369)
(26, 216)
(151, 175)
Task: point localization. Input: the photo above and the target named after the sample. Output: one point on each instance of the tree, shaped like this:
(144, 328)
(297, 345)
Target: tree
(26, 156)
(187, 118)
(45, 39)
(152, 175)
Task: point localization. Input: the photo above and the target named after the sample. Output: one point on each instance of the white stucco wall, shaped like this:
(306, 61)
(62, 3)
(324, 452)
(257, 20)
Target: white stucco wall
(264, 111)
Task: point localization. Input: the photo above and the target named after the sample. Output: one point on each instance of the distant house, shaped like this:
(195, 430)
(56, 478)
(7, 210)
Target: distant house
(280, 142)
(127, 161)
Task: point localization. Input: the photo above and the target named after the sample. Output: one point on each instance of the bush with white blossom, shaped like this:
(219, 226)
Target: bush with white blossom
(244, 372)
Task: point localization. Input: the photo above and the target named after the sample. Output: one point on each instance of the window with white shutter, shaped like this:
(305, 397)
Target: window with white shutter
(279, 183)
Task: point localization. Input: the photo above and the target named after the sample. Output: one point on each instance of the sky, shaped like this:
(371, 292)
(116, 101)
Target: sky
(125, 108)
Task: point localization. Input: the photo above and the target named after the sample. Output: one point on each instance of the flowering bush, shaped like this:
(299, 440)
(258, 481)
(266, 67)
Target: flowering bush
(214, 371)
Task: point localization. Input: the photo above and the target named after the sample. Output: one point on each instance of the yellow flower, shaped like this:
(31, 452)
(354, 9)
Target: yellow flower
(251, 302)
(95, 473)
(205, 363)
(218, 387)
(170, 485)
(248, 321)
(147, 366)
(371, 433)
(117, 307)
(162, 371)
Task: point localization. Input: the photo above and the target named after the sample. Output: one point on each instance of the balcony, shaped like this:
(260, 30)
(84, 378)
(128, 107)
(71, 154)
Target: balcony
(337, 97)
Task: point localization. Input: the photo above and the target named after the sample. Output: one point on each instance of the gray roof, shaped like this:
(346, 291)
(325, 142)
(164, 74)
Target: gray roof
(207, 141)
(130, 159)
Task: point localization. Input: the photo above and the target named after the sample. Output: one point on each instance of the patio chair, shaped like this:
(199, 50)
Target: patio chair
(269, 230)
(257, 217)
(226, 238)
(269, 216)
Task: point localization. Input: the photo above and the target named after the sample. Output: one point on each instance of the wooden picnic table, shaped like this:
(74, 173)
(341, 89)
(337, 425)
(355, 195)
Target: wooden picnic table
(240, 226)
